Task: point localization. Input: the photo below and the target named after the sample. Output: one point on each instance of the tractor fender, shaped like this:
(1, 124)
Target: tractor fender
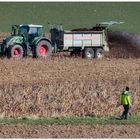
(14, 45)
(37, 40)
(14, 40)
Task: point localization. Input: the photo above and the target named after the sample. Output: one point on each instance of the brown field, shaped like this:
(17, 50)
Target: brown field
(69, 131)
(65, 86)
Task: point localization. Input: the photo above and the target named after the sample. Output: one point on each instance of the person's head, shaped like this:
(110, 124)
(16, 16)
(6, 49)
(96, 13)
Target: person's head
(127, 88)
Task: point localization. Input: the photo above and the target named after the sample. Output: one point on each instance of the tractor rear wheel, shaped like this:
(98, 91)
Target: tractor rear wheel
(15, 51)
(43, 49)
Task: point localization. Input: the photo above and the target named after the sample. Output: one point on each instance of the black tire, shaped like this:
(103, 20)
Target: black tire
(88, 53)
(76, 53)
(99, 53)
(43, 49)
(16, 51)
(71, 53)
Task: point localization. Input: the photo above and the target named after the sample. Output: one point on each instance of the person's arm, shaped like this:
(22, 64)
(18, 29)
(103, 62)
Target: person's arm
(129, 100)
(121, 98)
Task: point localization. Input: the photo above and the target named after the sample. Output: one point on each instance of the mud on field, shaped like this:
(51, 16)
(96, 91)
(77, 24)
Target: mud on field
(69, 131)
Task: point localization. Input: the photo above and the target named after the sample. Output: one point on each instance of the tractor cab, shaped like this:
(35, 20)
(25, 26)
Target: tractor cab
(28, 32)
(26, 40)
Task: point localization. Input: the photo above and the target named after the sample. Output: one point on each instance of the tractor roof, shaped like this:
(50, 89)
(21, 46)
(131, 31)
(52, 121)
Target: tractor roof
(31, 25)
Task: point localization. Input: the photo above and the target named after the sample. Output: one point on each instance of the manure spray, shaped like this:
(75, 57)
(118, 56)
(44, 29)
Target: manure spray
(126, 44)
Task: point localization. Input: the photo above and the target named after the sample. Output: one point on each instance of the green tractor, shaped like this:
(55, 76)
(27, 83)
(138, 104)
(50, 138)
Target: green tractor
(26, 40)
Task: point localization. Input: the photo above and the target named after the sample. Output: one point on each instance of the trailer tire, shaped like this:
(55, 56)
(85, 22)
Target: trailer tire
(88, 53)
(43, 49)
(16, 51)
(99, 53)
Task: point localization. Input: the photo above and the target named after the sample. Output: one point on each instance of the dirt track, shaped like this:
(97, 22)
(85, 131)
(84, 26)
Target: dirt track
(68, 131)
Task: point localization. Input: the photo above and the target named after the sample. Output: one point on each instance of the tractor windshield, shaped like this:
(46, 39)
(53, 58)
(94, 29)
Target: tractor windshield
(23, 30)
(36, 31)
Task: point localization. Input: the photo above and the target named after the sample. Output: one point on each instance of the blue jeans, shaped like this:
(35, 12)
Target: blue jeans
(125, 112)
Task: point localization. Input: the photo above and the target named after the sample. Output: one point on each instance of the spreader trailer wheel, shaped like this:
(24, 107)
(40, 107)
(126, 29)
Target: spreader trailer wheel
(88, 53)
(99, 53)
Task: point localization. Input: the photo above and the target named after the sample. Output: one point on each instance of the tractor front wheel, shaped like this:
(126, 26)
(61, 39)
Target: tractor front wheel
(43, 49)
(15, 51)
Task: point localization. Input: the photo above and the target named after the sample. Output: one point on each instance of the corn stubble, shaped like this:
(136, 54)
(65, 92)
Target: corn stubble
(66, 87)
(63, 86)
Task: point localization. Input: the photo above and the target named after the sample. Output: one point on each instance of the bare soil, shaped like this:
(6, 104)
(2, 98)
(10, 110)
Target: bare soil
(69, 131)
